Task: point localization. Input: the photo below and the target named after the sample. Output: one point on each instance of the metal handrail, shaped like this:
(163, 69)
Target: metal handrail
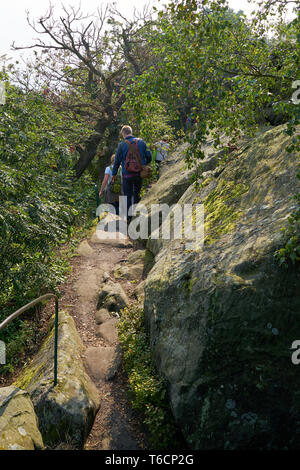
(28, 306)
(97, 199)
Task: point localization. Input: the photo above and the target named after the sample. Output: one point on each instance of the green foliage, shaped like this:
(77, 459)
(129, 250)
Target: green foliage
(40, 204)
(147, 390)
(291, 250)
(220, 69)
(230, 74)
(148, 181)
(148, 115)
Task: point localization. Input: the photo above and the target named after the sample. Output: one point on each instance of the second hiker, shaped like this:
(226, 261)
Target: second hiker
(133, 155)
(110, 190)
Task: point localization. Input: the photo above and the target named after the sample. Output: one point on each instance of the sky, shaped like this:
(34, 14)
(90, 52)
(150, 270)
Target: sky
(14, 27)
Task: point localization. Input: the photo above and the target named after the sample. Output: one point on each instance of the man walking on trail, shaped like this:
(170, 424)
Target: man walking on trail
(132, 181)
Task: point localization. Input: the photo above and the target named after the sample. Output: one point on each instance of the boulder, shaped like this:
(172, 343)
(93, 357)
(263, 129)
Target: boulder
(112, 297)
(222, 318)
(175, 178)
(137, 257)
(173, 181)
(18, 422)
(65, 412)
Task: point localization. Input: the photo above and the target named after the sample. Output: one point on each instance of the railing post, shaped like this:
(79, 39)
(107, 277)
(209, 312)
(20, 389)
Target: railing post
(30, 305)
(55, 340)
(97, 198)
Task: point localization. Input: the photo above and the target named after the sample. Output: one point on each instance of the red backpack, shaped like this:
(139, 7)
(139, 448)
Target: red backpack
(133, 163)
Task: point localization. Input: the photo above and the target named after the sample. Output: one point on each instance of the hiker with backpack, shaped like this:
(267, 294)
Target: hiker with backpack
(111, 190)
(132, 154)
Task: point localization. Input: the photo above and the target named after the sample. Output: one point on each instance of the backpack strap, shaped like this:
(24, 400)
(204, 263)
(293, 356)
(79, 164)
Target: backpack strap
(134, 147)
(119, 170)
(133, 144)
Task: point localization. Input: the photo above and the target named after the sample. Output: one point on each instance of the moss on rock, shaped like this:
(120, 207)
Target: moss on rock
(18, 422)
(222, 320)
(65, 412)
(221, 212)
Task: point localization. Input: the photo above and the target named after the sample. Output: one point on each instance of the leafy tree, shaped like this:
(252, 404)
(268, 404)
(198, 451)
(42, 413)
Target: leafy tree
(215, 65)
(39, 202)
(228, 73)
(86, 64)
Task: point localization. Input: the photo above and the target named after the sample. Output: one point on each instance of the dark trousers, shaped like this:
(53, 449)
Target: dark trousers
(116, 206)
(131, 188)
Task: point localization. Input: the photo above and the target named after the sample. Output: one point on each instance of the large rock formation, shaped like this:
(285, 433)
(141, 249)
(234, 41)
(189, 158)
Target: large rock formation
(222, 319)
(175, 179)
(18, 422)
(65, 412)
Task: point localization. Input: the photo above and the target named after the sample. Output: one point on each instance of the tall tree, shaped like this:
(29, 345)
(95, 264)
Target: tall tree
(228, 72)
(85, 65)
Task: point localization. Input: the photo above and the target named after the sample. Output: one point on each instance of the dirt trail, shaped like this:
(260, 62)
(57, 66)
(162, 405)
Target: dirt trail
(117, 426)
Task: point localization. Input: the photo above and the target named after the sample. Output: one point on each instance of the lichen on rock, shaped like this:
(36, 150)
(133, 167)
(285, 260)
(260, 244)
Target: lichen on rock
(230, 378)
(65, 412)
(18, 422)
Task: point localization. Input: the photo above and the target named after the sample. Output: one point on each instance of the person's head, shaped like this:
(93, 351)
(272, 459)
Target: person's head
(112, 159)
(126, 131)
(165, 138)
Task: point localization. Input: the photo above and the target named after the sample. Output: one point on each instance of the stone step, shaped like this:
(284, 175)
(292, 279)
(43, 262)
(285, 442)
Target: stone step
(108, 331)
(102, 316)
(114, 239)
(103, 362)
(84, 249)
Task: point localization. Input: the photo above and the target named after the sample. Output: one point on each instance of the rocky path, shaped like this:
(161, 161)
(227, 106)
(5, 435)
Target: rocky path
(94, 297)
